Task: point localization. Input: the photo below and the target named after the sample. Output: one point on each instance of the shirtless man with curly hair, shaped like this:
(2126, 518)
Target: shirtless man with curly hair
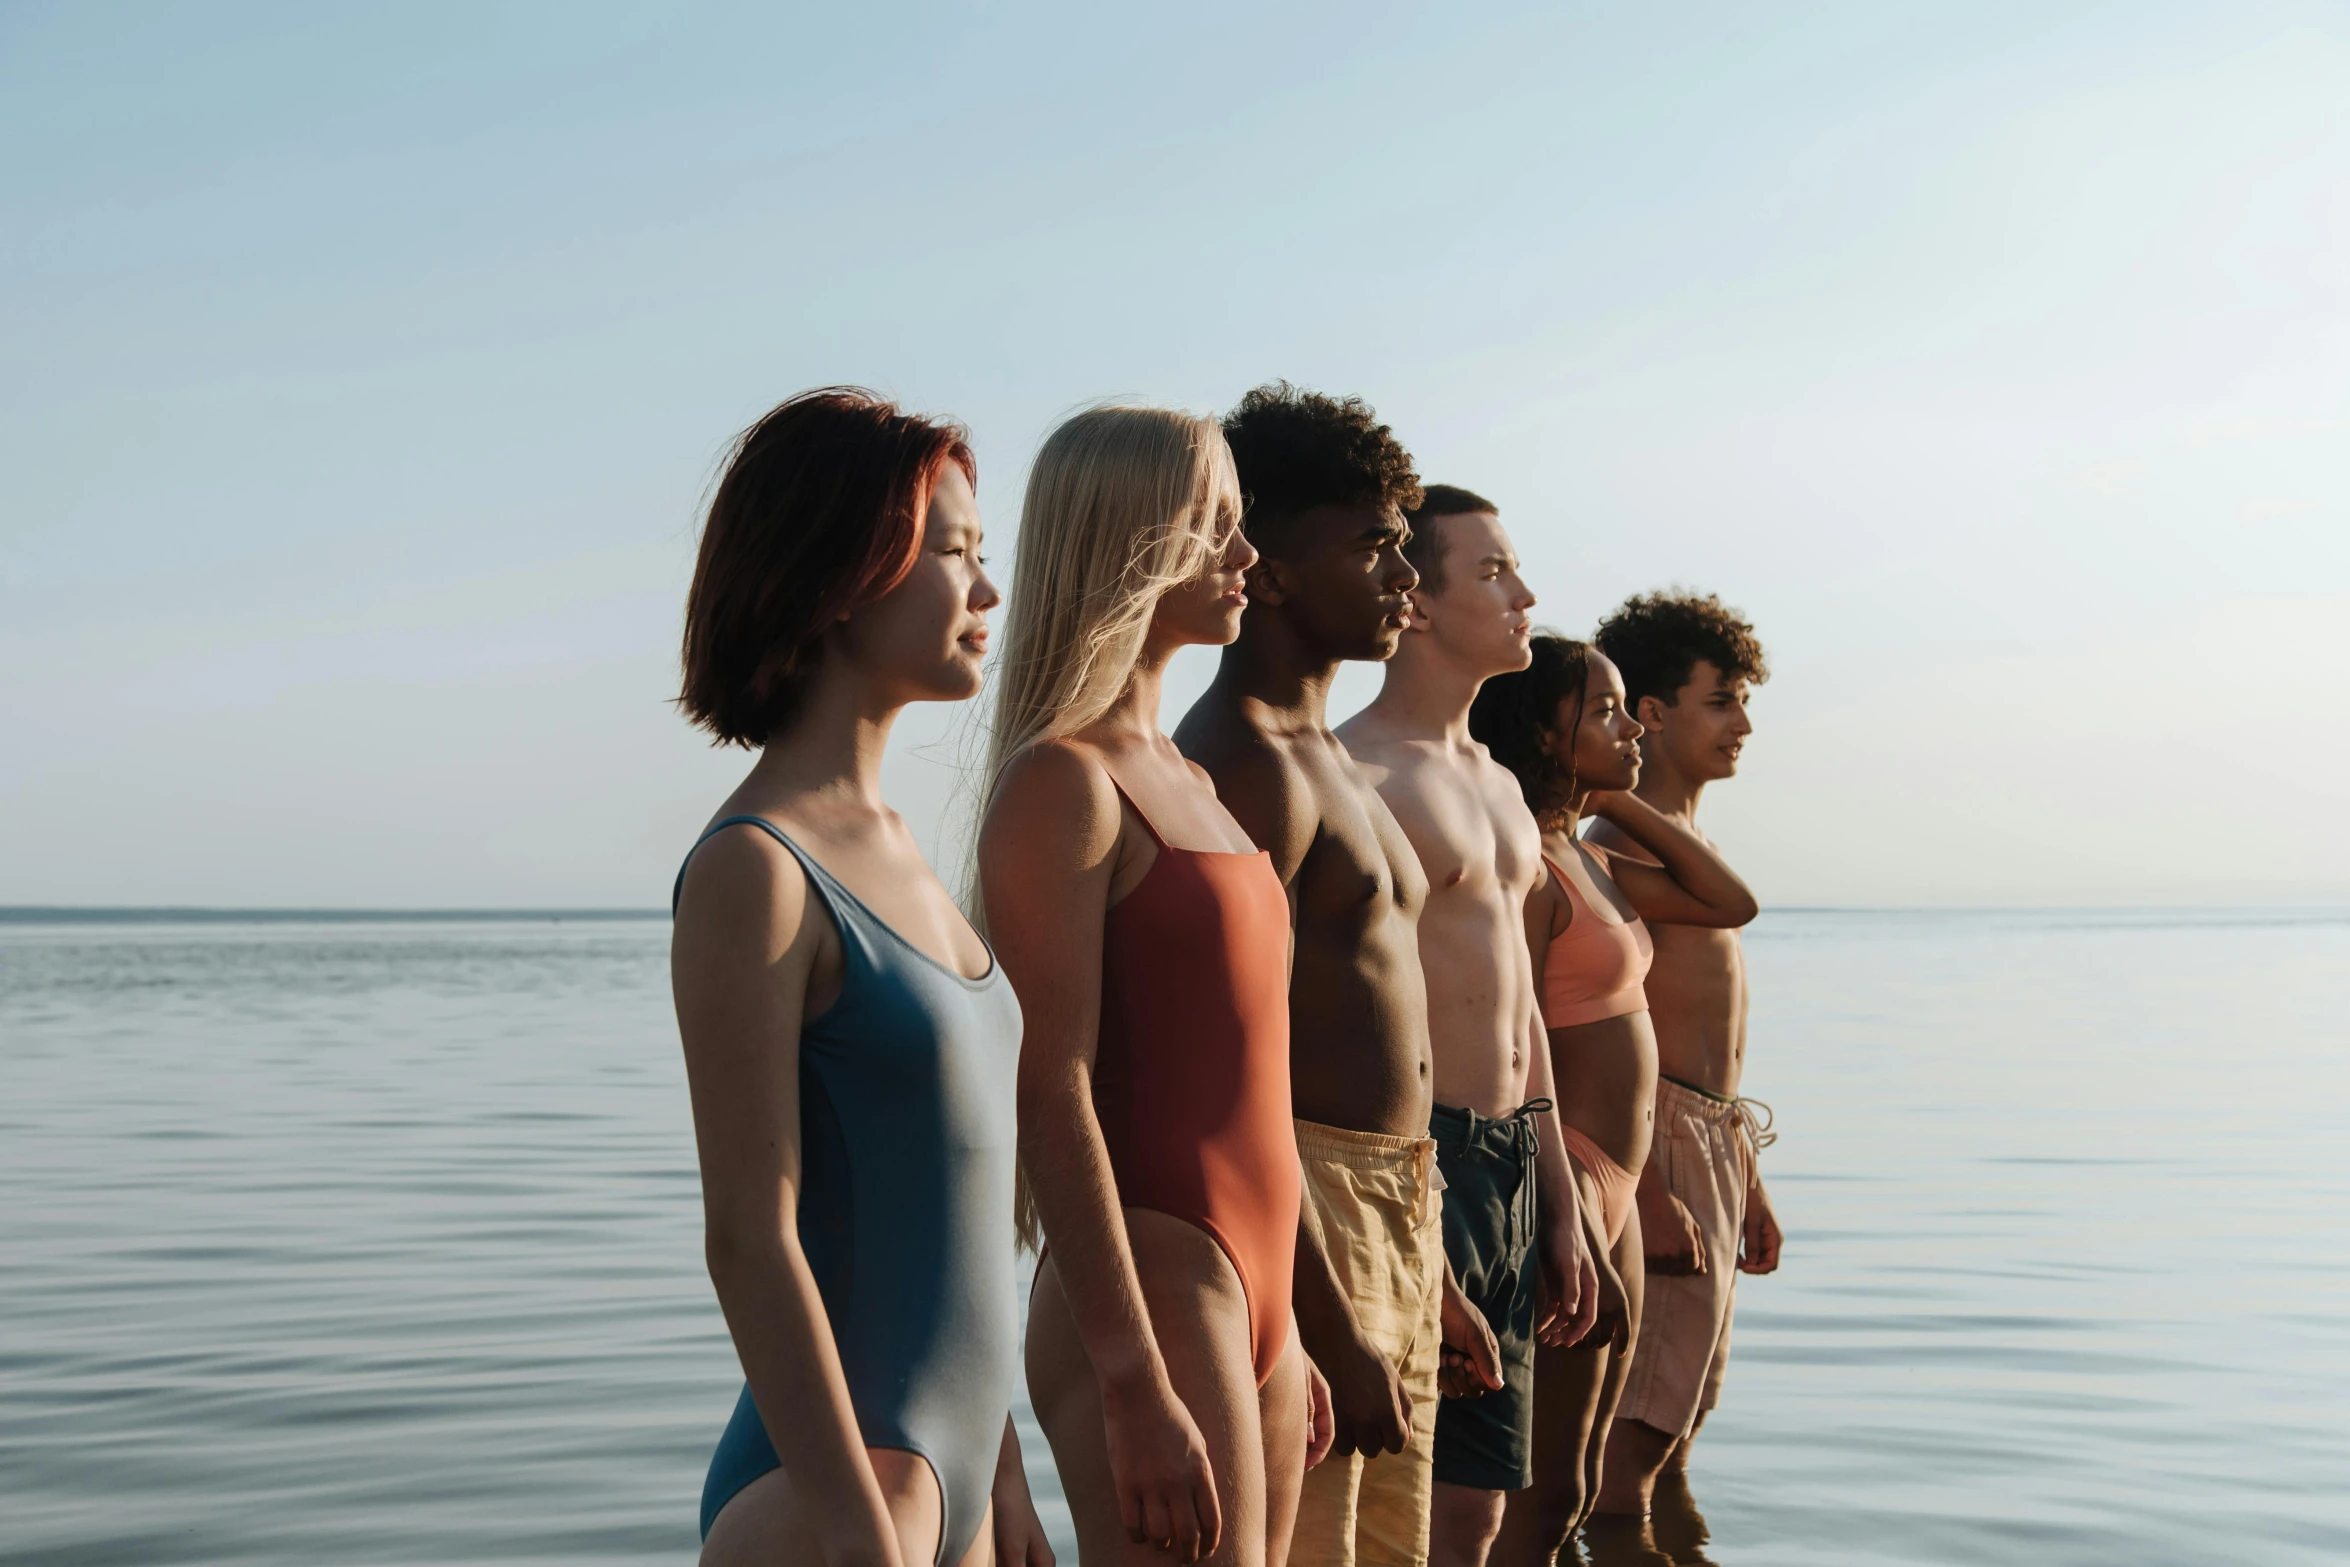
(1377, 1308)
(1689, 663)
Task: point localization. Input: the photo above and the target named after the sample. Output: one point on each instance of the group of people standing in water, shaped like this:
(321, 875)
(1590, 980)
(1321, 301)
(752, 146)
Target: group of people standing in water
(1368, 1098)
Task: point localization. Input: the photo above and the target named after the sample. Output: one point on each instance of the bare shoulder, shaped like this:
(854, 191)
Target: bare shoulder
(1260, 779)
(1054, 790)
(740, 886)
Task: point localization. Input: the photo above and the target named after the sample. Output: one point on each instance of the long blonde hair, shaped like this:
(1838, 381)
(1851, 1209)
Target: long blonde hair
(1122, 505)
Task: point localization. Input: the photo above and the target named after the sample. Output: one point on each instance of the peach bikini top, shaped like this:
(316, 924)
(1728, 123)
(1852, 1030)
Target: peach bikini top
(1596, 966)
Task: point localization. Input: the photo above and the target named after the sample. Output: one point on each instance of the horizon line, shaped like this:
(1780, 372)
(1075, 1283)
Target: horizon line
(194, 914)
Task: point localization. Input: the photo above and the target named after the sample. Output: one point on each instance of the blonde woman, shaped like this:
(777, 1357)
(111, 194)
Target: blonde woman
(1148, 942)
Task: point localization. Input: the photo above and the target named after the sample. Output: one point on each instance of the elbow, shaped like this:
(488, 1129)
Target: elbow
(1740, 910)
(734, 1252)
(1041, 1103)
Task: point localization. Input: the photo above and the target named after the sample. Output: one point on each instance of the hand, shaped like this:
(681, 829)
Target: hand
(1469, 1364)
(1320, 1432)
(1670, 1242)
(1570, 1284)
(1759, 1241)
(1369, 1410)
(1159, 1468)
(1615, 1307)
(1019, 1533)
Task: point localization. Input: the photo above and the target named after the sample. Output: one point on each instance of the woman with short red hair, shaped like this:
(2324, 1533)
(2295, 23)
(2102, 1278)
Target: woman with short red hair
(850, 1042)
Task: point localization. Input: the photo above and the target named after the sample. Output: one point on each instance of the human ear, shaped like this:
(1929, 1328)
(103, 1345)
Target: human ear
(1265, 579)
(1650, 711)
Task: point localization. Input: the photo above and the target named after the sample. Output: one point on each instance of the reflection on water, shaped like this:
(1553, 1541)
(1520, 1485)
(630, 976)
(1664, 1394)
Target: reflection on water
(1674, 1535)
(380, 1242)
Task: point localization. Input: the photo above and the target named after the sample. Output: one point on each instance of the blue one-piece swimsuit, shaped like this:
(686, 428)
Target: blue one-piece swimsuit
(905, 1216)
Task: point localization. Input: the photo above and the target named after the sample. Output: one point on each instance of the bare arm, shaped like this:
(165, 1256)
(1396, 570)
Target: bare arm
(743, 953)
(1047, 855)
(1604, 1307)
(1571, 1276)
(1019, 1534)
(1691, 884)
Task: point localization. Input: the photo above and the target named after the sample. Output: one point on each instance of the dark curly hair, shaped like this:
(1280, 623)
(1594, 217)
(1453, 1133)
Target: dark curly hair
(1656, 639)
(1296, 450)
(1516, 718)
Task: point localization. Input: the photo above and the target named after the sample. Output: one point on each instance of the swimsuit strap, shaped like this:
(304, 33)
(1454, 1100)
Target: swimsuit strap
(1575, 896)
(1148, 825)
(848, 911)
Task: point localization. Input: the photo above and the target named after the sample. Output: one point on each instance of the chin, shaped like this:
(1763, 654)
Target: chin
(959, 682)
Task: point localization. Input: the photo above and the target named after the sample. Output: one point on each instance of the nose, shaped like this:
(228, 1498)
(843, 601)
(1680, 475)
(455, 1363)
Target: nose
(1525, 598)
(1403, 576)
(984, 593)
(1242, 555)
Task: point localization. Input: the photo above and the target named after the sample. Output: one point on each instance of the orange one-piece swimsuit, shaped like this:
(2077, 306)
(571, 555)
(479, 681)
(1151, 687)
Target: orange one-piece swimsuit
(1191, 1082)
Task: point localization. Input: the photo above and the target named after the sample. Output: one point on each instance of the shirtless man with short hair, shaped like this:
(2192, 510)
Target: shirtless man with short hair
(1512, 1228)
(1374, 1300)
(1688, 663)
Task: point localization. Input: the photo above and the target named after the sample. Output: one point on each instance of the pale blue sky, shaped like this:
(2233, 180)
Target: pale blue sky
(366, 370)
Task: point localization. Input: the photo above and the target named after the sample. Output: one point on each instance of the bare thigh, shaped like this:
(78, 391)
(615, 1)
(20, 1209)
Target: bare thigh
(1633, 1270)
(1284, 1416)
(766, 1522)
(1200, 1317)
(1575, 1390)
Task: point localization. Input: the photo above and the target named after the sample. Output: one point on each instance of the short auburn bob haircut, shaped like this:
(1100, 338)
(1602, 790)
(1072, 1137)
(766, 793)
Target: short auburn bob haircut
(818, 514)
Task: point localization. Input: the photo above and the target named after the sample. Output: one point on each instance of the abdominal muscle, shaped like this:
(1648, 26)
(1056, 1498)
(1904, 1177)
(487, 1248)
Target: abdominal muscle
(1606, 1083)
(1480, 1002)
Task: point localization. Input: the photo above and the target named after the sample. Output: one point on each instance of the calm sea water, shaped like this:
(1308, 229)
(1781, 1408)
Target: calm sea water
(378, 1242)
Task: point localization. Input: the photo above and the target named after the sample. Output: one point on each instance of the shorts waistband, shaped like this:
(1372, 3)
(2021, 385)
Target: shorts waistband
(1751, 1115)
(1457, 1129)
(1375, 1152)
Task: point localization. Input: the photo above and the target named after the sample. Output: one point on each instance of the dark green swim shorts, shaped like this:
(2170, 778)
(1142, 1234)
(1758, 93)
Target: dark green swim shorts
(1487, 1442)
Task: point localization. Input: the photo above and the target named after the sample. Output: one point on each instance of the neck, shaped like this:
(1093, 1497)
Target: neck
(834, 748)
(1666, 787)
(1137, 709)
(1425, 694)
(1274, 666)
(1574, 812)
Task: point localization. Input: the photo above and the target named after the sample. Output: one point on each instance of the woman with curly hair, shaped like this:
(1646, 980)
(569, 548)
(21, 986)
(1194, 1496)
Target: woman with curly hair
(1561, 727)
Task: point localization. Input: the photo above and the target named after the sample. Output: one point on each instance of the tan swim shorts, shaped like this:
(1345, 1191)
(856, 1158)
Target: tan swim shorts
(1704, 1149)
(1384, 1227)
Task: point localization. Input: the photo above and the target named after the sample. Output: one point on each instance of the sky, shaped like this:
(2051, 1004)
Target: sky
(368, 369)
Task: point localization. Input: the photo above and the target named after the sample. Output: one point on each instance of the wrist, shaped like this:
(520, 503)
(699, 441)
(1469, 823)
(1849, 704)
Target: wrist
(1135, 1386)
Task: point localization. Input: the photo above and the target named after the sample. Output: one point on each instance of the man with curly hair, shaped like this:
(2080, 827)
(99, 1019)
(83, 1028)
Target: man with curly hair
(1689, 663)
(1376, 1305)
